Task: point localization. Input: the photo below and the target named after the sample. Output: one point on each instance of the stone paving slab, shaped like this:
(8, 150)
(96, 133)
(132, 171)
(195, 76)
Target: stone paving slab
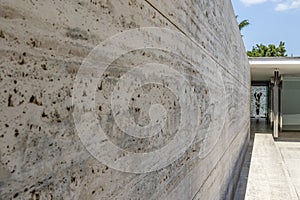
(290, 152)
(268, 174)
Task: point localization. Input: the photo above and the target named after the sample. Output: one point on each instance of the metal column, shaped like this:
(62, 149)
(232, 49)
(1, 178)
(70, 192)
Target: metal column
(271, 113)
(276, 103)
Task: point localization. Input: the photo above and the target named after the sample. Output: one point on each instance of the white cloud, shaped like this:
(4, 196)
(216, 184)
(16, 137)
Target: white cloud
(280, 5)
(288, 5)
(252, 2)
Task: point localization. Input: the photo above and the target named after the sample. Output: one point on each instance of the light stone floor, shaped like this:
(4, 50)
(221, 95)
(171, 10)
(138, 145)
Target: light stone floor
(272, 168)
(290, 153)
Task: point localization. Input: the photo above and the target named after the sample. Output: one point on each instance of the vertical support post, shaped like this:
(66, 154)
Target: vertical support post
(280, 104)
(271, 113)
(276, 103)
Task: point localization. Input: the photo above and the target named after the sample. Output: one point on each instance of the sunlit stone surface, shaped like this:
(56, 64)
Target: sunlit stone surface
(43, 44)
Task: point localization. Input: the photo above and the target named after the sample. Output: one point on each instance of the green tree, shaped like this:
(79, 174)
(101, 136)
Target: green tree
(271, 50)
(243, 23)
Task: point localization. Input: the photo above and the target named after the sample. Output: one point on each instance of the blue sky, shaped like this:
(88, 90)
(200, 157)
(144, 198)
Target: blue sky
(271, 21)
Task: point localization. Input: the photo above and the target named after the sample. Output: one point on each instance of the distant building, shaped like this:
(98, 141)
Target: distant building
(275, 91)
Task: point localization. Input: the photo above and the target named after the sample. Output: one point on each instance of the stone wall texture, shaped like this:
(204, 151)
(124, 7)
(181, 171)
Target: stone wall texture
(42, 46)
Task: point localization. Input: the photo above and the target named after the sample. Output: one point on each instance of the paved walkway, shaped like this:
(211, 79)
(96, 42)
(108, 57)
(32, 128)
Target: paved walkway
(269, 176)
(271, 169)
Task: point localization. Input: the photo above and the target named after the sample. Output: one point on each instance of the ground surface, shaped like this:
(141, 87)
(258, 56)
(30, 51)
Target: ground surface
(271, 168)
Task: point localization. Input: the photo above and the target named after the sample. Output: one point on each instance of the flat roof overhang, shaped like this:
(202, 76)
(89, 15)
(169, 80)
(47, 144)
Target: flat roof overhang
(262, 68)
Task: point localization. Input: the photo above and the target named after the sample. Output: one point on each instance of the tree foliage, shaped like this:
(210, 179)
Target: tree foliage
(271, 50)
(243, 24)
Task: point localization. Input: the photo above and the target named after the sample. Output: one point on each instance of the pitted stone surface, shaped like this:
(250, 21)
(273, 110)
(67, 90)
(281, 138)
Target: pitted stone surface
(42, 46)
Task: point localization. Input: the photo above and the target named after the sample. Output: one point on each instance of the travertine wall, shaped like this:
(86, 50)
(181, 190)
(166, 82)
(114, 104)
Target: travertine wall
(43, 44)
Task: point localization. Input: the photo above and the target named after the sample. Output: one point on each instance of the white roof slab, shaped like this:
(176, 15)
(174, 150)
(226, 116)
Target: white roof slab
(262, 68)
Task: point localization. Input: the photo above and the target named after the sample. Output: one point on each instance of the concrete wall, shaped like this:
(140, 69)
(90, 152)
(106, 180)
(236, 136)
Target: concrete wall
(43, 153)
